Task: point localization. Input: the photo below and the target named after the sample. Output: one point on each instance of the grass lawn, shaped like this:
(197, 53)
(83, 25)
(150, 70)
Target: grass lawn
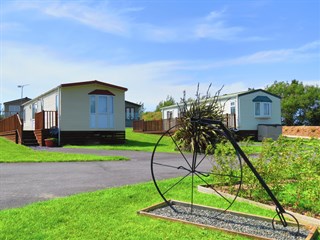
(105, 214)
(146, 142)
(11, 152)
(108, 214)
(251, 147)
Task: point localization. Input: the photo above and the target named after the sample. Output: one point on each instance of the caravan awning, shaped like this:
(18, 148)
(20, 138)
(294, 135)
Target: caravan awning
(261, 99)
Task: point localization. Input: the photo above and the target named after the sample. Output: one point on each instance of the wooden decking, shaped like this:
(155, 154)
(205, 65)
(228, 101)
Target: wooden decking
(12, 128)
(163, 125)
(155, 126)
(44, 121)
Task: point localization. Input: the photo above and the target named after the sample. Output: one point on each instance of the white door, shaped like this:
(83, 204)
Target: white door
(101, 111)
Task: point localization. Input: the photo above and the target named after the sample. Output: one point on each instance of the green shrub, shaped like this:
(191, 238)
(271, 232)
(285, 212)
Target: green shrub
(150, 116)
(192, 136)
(291, 169)
(226, 166)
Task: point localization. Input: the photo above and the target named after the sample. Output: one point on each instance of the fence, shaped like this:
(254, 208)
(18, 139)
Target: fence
(159, 126)
(14, 125)
(154, 126)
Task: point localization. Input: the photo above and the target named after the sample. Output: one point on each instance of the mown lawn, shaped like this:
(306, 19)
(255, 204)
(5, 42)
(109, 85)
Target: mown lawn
(108, 214)
(11, 152)
(104, 214)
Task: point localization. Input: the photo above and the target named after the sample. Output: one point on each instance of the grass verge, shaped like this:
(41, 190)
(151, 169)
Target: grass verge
(108, 214)
(11, 152)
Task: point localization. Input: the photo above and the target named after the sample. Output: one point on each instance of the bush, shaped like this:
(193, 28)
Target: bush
(149, 116)
(291, 168)
(226, 166)
(192, 136)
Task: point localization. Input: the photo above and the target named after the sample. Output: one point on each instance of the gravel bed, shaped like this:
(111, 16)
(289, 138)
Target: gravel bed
(232, 222)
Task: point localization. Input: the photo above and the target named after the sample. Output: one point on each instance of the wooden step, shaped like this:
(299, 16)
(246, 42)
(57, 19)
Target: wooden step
(29, 139)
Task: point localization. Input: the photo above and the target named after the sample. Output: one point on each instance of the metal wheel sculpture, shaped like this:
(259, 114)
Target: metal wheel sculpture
(191, 169)
(194, 168)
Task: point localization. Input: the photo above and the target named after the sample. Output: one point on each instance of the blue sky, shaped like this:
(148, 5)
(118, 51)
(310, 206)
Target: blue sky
(157, 48)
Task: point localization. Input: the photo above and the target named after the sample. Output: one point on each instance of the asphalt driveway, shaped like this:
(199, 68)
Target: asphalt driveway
(23, 183)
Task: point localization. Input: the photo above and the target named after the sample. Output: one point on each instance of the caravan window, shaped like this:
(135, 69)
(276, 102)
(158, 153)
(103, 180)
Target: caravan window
(34, 109)
(232, 108)
(262, 106)
(130, 113)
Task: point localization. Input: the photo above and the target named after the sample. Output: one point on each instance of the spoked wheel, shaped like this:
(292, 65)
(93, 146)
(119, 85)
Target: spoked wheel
(187, 170)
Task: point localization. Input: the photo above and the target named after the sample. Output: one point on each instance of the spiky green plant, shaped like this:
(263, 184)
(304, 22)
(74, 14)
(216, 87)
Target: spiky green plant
(190, 135)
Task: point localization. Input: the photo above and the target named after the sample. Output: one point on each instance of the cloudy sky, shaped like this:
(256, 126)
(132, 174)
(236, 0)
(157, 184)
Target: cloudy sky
(157, 48)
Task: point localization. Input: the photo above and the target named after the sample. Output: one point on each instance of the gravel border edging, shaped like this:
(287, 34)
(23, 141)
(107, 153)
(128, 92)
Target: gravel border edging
(301, 218)
(237, 223)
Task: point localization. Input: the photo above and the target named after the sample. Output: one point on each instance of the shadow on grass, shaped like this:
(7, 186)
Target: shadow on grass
(134, 143)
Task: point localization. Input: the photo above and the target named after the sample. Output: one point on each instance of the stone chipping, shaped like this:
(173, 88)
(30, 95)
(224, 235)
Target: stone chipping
(233, 222)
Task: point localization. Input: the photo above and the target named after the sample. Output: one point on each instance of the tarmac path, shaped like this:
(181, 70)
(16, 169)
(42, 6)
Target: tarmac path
(24, 183)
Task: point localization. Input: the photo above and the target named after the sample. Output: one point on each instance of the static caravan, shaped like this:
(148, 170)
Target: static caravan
(88, 112)
(246, 112)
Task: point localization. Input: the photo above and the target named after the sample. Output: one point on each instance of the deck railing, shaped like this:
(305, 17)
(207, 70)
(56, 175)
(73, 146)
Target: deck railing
(46, 119)
(163, 125)
(12, 123)
(230, 121)
(155, 126)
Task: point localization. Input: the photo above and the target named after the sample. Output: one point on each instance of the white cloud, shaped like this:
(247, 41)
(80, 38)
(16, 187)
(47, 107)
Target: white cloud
(100, 16)
(238, 86)
(119, 21)
(148, 82)
(214, 26)
(107, 21)
(215, 15)
(299, 54)
(311, 82)
(217, 31)
(11, 26)
(309, 46)
(306, 51)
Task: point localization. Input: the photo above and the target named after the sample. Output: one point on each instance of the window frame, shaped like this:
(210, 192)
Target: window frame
(34, 109)
(130, 113)
(263, 106)
(232, 107)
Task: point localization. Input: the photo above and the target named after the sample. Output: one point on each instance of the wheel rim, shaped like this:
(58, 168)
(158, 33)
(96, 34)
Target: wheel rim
(189, 170)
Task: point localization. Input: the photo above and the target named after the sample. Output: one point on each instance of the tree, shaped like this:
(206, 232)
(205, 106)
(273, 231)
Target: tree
(168, 102)
(312, 112)
(299, 103)
(150, 116)
(141, 109)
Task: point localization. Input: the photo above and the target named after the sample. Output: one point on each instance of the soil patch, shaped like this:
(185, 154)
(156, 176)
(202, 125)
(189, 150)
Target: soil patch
(301, 131)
